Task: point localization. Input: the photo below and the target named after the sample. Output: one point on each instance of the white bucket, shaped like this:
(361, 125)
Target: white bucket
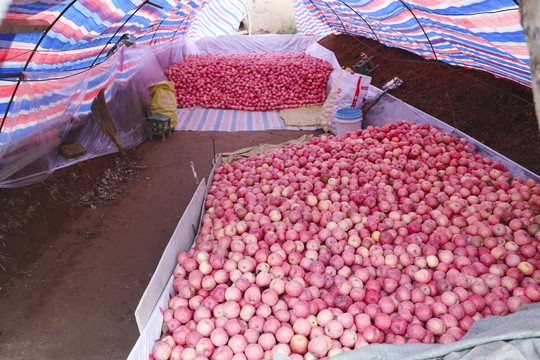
(347, 120)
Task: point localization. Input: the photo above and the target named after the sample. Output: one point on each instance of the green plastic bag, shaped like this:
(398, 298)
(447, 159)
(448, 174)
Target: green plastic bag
(163, 101)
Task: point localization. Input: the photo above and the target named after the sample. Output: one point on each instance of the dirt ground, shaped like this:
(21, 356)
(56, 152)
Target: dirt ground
(78, 249)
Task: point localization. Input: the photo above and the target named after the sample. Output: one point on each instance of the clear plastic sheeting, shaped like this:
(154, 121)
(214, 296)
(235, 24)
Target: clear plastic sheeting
(29, 142)
(515, 336)
(227, 44)
(235, 44)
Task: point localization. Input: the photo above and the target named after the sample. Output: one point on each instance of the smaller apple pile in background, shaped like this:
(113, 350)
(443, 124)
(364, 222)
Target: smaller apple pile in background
(254, 82)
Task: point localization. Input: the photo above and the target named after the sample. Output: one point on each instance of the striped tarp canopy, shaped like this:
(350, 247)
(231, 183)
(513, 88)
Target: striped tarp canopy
(81, 33)
(49, 77)
(477, 34)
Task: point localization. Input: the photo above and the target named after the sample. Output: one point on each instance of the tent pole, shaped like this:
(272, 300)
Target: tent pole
(421, 27)
(21, 76)
(361, 17)
(146, 2)
(118, 30)
(187, 17)
(341, 22)
(326, 20)
(319, 10)
(155, 32)
(178, 27)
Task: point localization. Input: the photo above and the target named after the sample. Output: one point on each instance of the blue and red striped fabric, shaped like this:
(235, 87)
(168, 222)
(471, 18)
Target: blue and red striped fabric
(477, 34)
(64, 74)
(84, 33)
(89, 28)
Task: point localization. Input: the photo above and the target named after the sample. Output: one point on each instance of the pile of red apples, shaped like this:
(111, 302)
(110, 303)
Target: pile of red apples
(400, 234)
(254, 82)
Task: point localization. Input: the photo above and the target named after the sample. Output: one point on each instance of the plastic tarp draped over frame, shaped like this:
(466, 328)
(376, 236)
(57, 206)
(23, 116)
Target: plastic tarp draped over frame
(85, 31)
(55, 110)
(63, 68)
(516, 337)
(483, 34)
(48, 79)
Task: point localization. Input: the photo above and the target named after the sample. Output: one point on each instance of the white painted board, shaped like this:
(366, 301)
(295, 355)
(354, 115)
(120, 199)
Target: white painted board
(152, 331)
(181, 240)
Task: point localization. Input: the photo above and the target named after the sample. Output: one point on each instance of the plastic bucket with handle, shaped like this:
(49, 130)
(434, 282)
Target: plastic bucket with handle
(347, 120)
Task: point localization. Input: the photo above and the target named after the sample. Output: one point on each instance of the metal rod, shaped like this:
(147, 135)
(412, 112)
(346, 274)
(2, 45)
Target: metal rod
(421, 27)
(178, 27)
(30, 58)
(155, 32)
(118, 30)
(321, 14)
(361, 17)
(156, 5)
(186, 18)
(12, 75)
(341, 22)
